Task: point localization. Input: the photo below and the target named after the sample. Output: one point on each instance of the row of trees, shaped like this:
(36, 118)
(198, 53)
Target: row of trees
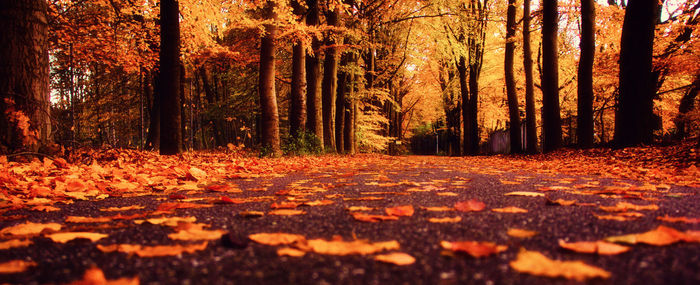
(349, 74)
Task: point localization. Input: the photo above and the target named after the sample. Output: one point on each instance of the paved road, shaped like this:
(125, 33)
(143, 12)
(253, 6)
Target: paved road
(392, 181)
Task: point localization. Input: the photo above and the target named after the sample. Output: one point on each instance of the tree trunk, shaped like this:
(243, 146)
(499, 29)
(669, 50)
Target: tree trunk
(329, 85)
(153, 137)
(551, 118)
(268, 99)
(297, 113)
(513, 110)
(686, 105)
(635, 119)
(349, 128)
(170, 133)
(530, 113)
(24, 76)
(340, 102)
(314, 115)
(464, 92)
(584, 129)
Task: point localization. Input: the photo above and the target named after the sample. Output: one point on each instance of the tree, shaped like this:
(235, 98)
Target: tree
(330, 82)
(511, 93)
(314, 115)
(635, 119)
(584, 129)
(169, 78)
(297, 109)
(551, 119)
(268, 98)
(24, 76)
(530, 114)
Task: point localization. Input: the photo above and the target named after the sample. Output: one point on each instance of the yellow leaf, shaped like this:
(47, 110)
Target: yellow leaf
(191, 231)
(520, 233)
(398, 258)
(286, 212)
(153, 251)
(599, 247)
(624, 206)
(535, 263)
(66, 237)
(275, 239)
(74, 219)
(359, 208)
(445, 220)
(339, 247)
(126, 208)
(168, 221)
(438, 209)
(509, 210)
(288, 251)
(15, 266)
(29, 228)
(14, 243)
(525, 193)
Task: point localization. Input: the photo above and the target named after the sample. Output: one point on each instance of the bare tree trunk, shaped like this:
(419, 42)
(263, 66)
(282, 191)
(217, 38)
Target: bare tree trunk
(551, 118)
(170, 133)
(513, 110)
(297, 110)
(464, 92)
(584, 129)
(530, 113)
(268, 98)
(314, 118)
(349, 128)
(340, 99)
(25, 123)
(635, 119)
(329, 86)
(153, 137)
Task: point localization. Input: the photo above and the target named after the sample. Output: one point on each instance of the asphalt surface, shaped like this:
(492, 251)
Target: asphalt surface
(236, 260)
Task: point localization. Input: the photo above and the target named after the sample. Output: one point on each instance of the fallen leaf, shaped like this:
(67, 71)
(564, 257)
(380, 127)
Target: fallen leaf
(190, 231)
(438, 209)
(339, 247)
(474, 248)
(45, 208)
(535, 263)
(679, 219)
(561, 202)
(521, 233)
(445, 220)
(66, 237)
(660, 236)
(599, 247)
(168, 221)
(196, 174)
(275, 239)
(125, 208)
(360, 216)
(95, 276)
(15, 266)
(14, 243)
(624, 216)
(506, 182)
(169, 206)
(447, 194)
(398, 258)
(525, 193)
(285, 205)
(319, 203)
(359, 208)
(405, 211)
(75, 219)
(251, 214)
(29, 228)
(286, 212)
(153, 251)
(229, 188)
(624, 206)
(470, 206)
(288, 251)
(509, 210)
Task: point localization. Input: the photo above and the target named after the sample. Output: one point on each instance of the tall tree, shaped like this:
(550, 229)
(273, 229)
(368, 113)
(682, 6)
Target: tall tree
(153, 137)
(530, 113)
(297, 110)
(24, 76)
(584, 129)
(634, 119)
(314, 117)
(551, 118)
(266, 85)
(330, 82)
(513, 110)
(169, 85)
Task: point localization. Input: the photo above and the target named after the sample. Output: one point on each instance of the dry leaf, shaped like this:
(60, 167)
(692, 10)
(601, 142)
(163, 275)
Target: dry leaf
(622, 217)
(535, 263)
(359, 208)
(599, 247)
(288, 251)
(561, 202)
(251, 214)
(360, 216)
(95, 276)
(285, 205)
(45, 208)
(15, 266)
(125, 208)
(474, 248)
(470, 206)
(14, 243)
(286, 212)
(521, 233)
(509, 210)
(525, 193)
(189, 231)
(398, 258)
(74, 219)
(438, 209)
(275, 239)
(679, 219)
(29, 228)
(196, 174)
(624, 206)
(153, 251)
(66, 237)
(405, 211)
(169, 206)
(339, 247)
(319, 203)
(445, 220)
(660, 236)
(168, 221)
(447, 194)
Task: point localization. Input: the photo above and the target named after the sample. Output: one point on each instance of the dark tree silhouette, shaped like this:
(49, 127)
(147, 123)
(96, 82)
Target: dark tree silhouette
(169, 78)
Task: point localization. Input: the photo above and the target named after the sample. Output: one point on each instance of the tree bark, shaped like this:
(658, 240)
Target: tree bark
(297, 109)
(464, 92)
(349, 128)
(330, 85)
(170, 132)
(584, 129)
(153, 137)
(686, 105)
(551, 117)
(24, 76)
(530, 113)
(511, 93)
(340, 105)
(635, 119)
(268, 98)
(314, 115)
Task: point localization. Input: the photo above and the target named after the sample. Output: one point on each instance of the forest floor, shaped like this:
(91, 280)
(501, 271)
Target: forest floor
(627, 216)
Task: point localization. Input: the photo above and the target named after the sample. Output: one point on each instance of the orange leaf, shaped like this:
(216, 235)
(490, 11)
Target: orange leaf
(535, 263)
(445, 220)
(14, 243)
(371, 218)
(29, 228)
(189, 231)
(66, 237)
(624, 206)
(470, 206)
(288, 251)
(405, 211)
(275, 239)
(509, 210)
(286, 212)
(95, 276)
(340, 247)
(679, 219)
(660, 236)
(153, 251)
(75, 219)
(520, 233)
(599, 247)
(474, 248)
(398, 258)
(15, 266)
